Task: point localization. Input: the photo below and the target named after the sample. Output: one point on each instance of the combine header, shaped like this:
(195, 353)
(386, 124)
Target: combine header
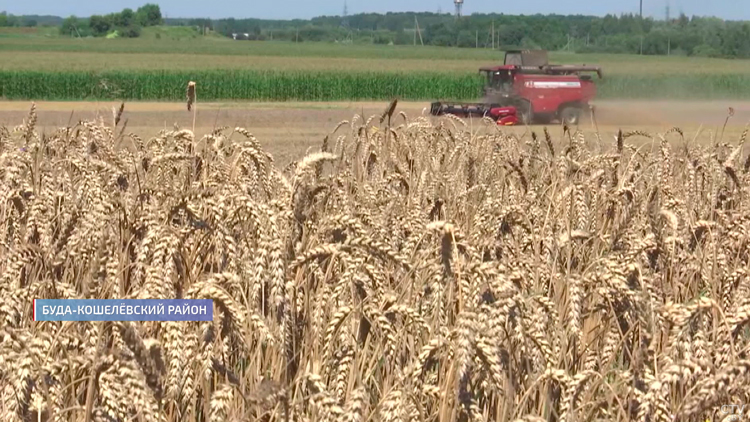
(526, 89)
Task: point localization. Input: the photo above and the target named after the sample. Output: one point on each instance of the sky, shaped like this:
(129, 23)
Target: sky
(305, 9)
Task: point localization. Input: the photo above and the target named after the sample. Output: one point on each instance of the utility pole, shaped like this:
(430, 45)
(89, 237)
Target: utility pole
(416, 25)
(493, 34)
(345, 18)
(641, 14)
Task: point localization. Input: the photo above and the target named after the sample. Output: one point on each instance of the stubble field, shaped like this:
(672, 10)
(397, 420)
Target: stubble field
(288, 130)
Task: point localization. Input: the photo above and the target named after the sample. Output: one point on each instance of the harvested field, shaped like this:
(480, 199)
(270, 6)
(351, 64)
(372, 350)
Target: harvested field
(442, 271)
(201, 53)
(287, 130)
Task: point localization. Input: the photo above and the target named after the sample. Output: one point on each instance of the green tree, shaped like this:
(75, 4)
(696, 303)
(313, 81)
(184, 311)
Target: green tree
(149, 15)
(11, 20)
(69, 26)
(736, 40)
(99, 25)
(124, 18)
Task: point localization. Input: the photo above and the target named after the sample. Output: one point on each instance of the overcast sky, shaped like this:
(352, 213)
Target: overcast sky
(289, 9)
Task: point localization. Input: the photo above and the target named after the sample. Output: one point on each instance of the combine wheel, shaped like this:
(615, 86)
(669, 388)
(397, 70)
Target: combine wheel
(570, 115)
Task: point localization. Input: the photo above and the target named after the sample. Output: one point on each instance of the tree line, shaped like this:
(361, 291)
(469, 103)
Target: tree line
(628, 33)
(127, 23)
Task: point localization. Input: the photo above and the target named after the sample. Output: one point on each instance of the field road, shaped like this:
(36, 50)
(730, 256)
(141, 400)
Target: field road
(288, 130)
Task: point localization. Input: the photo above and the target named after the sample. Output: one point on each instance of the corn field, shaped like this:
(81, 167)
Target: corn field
(411, 269)
(335, 85)
(237, 85)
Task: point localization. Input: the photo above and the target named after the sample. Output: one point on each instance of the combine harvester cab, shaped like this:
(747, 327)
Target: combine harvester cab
(529, 89)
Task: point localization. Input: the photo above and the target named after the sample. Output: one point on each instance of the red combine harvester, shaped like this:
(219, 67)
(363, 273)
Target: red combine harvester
(526, 89)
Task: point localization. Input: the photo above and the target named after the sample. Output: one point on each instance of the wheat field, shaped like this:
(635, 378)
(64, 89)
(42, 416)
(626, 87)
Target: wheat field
(411, 269)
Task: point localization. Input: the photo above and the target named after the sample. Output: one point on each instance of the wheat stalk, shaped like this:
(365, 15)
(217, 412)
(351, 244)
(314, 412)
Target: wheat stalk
(430, 271)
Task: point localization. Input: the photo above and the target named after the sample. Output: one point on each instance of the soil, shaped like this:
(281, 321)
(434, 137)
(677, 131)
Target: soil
(289, 130)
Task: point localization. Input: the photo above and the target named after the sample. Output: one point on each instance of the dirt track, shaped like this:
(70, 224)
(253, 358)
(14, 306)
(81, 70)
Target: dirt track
(289, 129)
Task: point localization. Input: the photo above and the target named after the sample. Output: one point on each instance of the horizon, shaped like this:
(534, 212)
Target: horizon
(306, 10)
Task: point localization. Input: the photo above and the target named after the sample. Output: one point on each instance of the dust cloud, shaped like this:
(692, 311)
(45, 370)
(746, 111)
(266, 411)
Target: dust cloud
(670, 113)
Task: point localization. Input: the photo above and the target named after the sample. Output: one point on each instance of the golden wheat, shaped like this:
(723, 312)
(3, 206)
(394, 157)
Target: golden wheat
(422, 272)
